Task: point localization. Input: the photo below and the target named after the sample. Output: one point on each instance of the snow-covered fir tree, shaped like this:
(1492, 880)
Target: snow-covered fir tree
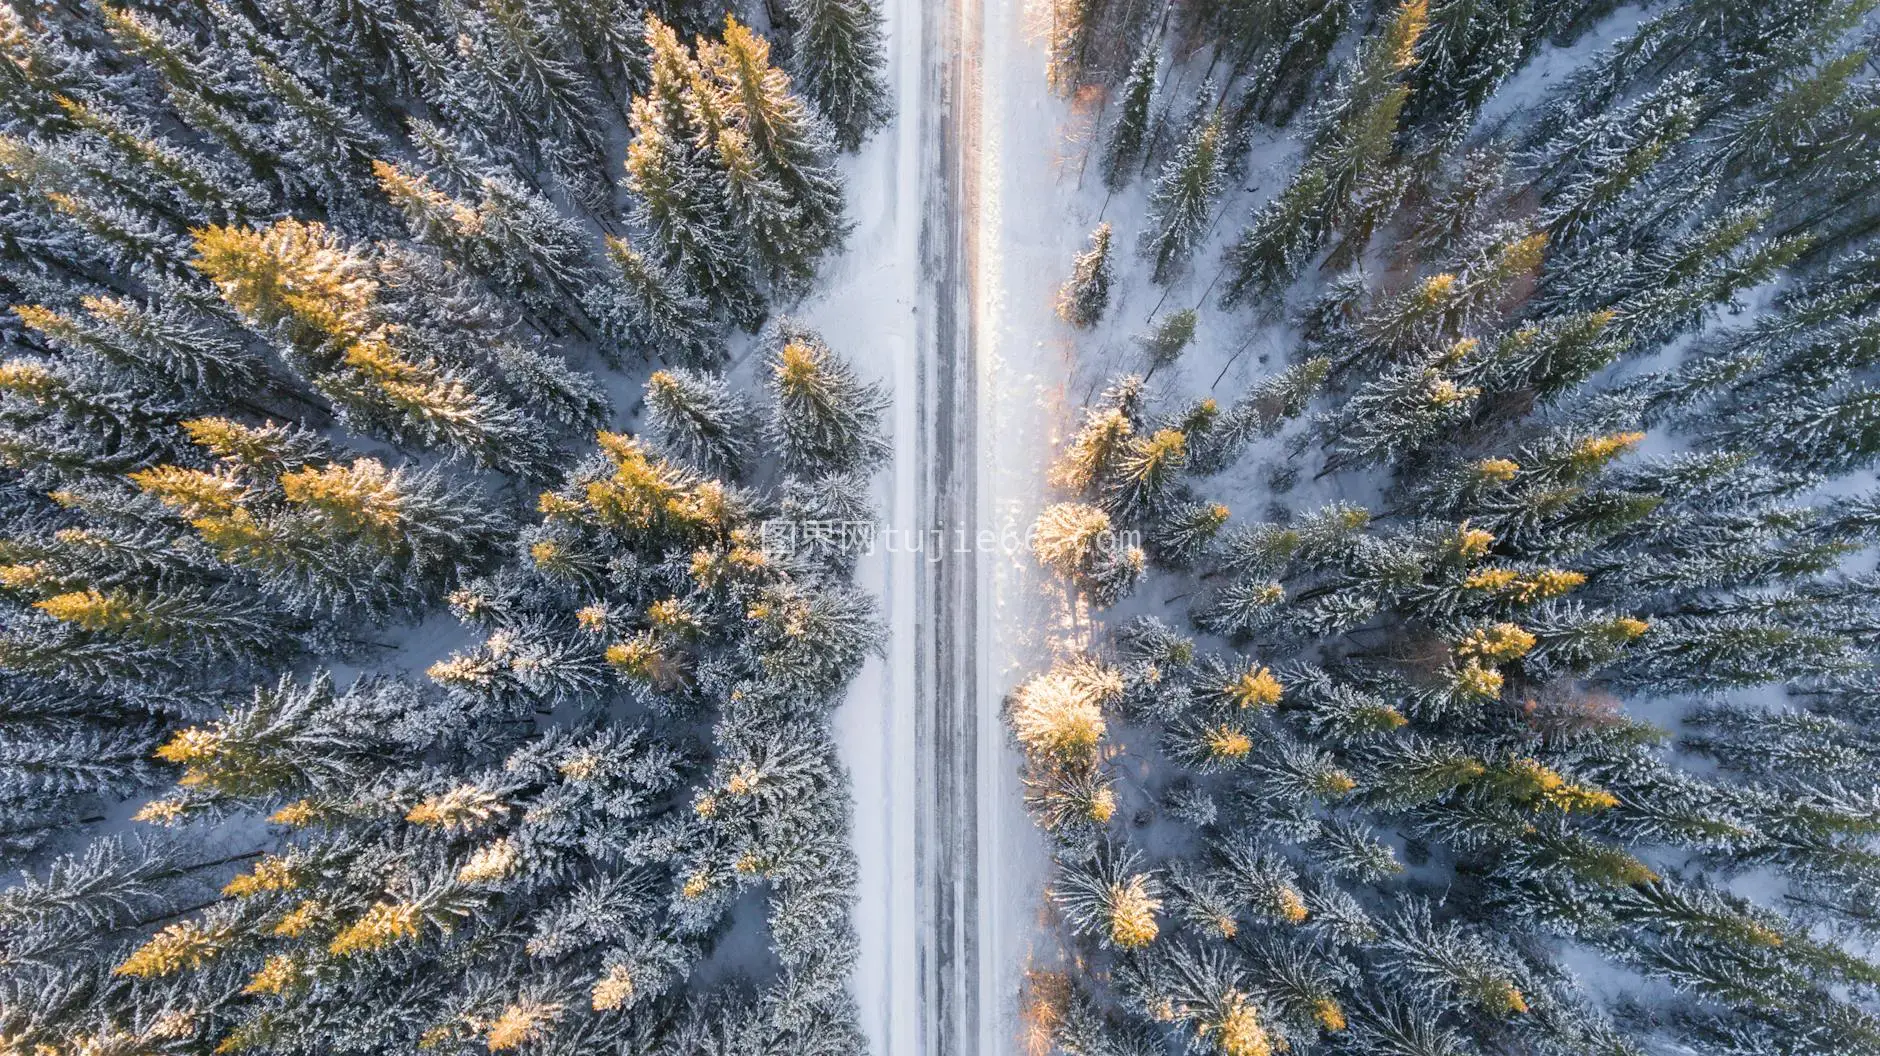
(840, 65)
(307, 308)
(1086, 296)
(1554, 740)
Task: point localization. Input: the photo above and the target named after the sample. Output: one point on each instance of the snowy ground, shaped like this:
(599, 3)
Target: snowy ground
(1029, 227)
(867, 312)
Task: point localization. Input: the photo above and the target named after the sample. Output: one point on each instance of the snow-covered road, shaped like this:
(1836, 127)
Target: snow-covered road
(951, 871)
(946, 624)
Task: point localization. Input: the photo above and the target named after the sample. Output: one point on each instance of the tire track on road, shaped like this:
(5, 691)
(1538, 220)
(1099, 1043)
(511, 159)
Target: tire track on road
(948, 712)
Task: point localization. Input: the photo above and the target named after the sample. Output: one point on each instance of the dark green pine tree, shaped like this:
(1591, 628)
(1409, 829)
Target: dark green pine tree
(839, 62)
(1129, 136)
(607, 34)
(1828, 433)
(1284, 66)
(788, 145)
(1276, 246)
(680, 194)
(699, 420)
(1171, 335)
(1086, 296)
(1180, 207)
(824, 418)
(640, 303)
(1470, 47)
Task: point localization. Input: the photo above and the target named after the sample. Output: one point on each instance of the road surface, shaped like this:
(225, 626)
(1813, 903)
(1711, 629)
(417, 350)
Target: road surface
(947, 706)
(951, 872)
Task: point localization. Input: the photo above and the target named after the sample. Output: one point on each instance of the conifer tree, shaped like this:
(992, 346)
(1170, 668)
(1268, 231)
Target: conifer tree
(788, 145)
(1592, 165)
(1445, 963)
(1184, 195)
(1825, 433)
(511, 234)
(1403, 409)
(1187, 532)
(1469, 48)
(44, 69)
(700, 420)
(641, 302)
(300, 284)
(152, 170)
(1111, 897)
(1148, 473)
(1130, 134)
(167, 340)
(838, 60)
(1273, 250)
(824, 418)
(195, 624)
(1261, 412)
(1284, 67)
(680, 195)
(1084, 298)
(608, 35)
(1169, 338)
(1093, 451)
(321, 535)
(325, 146)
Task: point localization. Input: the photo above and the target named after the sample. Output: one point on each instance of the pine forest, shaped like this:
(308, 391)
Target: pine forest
(1494, 674)
(452, 455)
(312, 305)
